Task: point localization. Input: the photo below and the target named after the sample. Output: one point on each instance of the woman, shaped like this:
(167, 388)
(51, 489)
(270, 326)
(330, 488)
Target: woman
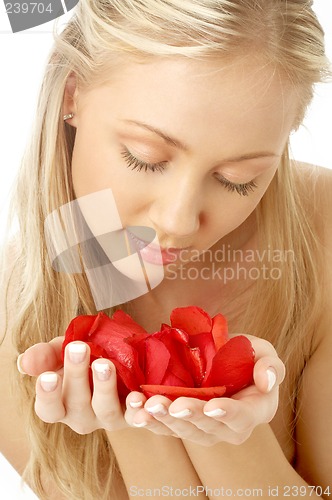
(198, 99)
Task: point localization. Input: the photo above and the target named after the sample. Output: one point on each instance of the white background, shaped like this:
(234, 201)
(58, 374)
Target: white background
(23, 57)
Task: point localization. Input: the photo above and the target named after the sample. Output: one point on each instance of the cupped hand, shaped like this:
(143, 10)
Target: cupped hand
(63, 391)
(230, 420)
(63, 395)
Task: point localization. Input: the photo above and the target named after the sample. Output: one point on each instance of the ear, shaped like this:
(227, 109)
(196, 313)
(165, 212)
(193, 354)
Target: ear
(70, 99)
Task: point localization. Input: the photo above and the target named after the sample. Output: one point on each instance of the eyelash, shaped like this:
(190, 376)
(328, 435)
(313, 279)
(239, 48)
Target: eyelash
(242, 189)
(139, 165)
(136, 164)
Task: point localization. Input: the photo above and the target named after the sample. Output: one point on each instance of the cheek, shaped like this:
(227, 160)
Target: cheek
(233, 209)
(91, 165)
(96, 168)
(236, 209)
(85, 168)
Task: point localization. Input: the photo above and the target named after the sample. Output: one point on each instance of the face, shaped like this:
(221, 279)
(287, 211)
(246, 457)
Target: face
(187, 147)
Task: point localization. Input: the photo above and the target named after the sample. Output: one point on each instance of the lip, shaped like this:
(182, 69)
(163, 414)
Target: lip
(155, 254)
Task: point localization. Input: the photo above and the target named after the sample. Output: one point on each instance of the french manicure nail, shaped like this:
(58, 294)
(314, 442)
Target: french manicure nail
(218, 412)
(18, 362)
(48, 381)
(158, 410)
(102, 370)
(77, 352)
(135, 404)
(140, 424)
(182, 413)
(271, 378)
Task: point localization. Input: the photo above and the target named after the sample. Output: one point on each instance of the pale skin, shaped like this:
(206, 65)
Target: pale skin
(222, 119)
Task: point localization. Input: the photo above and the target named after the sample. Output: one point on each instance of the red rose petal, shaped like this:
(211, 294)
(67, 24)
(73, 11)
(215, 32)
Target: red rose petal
(102, 321)
(157, 360)
(184, 359)
(198, 364)
(232, 366)
(107, 326)
(137, 342)
(119, 351)
(127, 321)
(177, 334)
(205, 342)
(172, 392)
(179, 372)
(172, 379)
(96, 351)
(81, 326)
(219, 331)
(192, 320)
(78, 329)
(106, 339)
(127, 379)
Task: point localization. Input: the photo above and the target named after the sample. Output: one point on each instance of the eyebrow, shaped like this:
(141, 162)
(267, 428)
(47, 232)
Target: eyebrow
(180, 145)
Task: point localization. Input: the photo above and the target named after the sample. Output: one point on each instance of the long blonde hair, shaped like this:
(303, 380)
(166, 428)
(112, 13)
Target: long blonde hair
(286, 35)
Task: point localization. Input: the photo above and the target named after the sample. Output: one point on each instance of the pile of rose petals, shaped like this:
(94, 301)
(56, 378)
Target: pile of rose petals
(192, 357)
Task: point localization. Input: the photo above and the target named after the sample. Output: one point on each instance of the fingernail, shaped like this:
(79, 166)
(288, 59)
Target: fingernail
(218, 412)
(157, 410)
(77, 352)
(135, 404)
(182, 413)
(102, 370)
(18, 362)
(141, 424)
(48, 381)
(271, 378)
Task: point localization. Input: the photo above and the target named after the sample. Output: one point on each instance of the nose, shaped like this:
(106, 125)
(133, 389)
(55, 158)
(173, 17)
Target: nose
(177, 211)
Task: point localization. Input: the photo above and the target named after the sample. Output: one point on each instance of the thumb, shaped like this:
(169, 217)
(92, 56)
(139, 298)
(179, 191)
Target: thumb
(41, 357)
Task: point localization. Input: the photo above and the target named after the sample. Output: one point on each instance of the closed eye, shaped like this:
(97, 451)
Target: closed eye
(243, 189)
(135, 163)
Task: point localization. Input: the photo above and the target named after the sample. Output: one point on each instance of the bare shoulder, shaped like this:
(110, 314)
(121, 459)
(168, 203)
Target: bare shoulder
(316, 188)
(315, 185)
(314, 425)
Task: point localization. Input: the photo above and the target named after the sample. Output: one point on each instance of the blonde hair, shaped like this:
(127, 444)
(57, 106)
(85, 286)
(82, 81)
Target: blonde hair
(100, 35)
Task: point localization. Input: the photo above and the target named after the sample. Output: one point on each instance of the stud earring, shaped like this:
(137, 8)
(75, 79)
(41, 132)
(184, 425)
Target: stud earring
(67, 117)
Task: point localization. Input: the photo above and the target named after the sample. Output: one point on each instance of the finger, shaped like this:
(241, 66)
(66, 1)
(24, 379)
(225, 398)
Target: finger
(236, 415)
(41, 357)
(191, 409)
(48, 403)
(105, 401)
(135, 400)
(269, 372)
(144, 419)
(234, 429)
(262, 347)
(190, 423)
(157, 406)
(242, 415)
(76, 387)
